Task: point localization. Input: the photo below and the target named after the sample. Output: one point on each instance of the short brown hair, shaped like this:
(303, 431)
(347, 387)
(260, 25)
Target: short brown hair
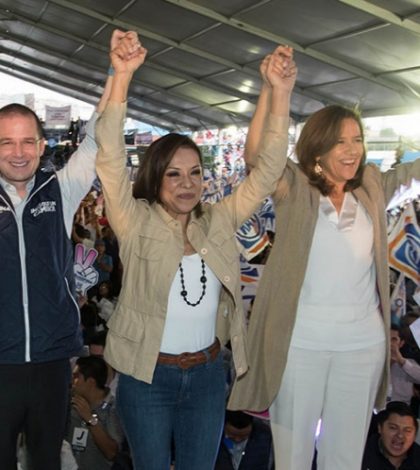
(156, 160)
(319, 135)
(21, 110)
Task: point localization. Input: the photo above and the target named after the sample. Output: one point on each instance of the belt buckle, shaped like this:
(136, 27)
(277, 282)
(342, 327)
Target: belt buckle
(184, 360)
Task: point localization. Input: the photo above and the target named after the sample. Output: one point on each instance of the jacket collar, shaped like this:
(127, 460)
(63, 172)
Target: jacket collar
(168, 219)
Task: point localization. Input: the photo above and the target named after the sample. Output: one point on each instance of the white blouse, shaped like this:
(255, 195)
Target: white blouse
(338, 306)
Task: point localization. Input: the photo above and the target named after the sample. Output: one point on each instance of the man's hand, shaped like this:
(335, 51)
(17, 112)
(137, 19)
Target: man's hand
(82, 407)
(396, 355)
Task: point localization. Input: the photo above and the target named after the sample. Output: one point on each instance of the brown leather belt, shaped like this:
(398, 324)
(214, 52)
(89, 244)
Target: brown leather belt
(187, 360)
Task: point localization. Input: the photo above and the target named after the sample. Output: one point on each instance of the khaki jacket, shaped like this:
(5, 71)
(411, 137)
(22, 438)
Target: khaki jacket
(151, 247)
(274, 311)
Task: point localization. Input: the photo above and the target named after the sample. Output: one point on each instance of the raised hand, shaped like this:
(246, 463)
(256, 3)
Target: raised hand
(263, 70)
(127, 53)
(280, 70)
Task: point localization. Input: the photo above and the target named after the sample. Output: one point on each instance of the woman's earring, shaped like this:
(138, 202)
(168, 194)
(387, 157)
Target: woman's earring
(318, 168)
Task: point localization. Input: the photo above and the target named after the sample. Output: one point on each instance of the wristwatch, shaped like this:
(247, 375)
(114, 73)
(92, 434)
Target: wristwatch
(93, 421)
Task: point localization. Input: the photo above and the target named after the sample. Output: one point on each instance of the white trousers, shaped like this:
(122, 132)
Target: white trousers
(338, 387)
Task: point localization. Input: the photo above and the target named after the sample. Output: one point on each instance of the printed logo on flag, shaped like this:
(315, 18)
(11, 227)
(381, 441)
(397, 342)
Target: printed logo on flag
(404, 245)
(253, 237)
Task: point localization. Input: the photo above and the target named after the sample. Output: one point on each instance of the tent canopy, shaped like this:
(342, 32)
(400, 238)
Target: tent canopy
(202, 65)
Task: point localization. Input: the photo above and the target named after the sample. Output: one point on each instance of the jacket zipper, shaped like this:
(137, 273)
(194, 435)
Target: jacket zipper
(23, 270)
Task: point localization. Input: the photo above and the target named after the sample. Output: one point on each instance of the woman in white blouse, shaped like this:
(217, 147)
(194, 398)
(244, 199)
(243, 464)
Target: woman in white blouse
(320, 322)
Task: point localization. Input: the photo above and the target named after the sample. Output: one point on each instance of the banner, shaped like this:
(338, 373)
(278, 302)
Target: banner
(143, 138)
(404, 245)
(57, 117)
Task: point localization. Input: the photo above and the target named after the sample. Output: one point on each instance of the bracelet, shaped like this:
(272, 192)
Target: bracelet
(111, 71)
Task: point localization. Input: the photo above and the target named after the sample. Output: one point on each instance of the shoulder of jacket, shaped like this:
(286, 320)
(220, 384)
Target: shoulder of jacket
(292, 175)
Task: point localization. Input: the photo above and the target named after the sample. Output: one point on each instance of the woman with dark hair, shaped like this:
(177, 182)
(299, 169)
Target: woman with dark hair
(319, 331)
(181, 292)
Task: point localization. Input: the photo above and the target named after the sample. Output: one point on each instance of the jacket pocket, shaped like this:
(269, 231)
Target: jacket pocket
(128, 324)
(226, 244)
(152, 241)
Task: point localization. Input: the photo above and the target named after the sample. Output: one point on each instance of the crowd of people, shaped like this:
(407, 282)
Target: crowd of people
(164, 372)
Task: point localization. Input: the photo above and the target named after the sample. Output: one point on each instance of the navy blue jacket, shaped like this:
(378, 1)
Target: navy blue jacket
(257, 451)
(373, 458)
(40, 323)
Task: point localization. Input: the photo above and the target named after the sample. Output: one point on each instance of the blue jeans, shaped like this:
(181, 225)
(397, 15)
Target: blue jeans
(186, 405)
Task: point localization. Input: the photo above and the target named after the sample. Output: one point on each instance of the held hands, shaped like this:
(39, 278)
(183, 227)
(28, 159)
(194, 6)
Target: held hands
(127, 53)
(278, 69)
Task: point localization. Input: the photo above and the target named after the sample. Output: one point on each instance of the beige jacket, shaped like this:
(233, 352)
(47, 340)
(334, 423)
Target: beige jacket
(151, 247)
(274, 310)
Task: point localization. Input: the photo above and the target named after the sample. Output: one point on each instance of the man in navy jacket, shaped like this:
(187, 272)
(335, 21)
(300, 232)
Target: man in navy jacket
(39, 315)
(393, 447)
(245, 445)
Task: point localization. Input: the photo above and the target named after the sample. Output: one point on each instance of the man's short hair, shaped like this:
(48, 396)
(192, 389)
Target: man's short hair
(21, 110)
(238, 419)
(395, 327)
(397, 407)
(94, 367)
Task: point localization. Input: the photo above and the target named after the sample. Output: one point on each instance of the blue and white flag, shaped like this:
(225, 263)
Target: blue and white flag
(253, 237)
(404, 245)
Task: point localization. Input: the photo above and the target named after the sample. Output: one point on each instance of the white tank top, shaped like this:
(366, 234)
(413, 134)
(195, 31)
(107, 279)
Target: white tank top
(187, 328)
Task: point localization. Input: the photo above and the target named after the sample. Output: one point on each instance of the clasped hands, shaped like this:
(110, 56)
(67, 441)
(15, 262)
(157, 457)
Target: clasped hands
(127, 52)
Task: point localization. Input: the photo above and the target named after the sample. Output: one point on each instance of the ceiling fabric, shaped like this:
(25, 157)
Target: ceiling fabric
(203, 57)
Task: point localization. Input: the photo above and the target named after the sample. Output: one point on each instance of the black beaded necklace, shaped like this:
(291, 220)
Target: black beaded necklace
(203, 280)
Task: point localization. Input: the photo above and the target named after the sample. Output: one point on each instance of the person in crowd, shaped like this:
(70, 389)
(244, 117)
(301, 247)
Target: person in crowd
(39, 317)
(97, 348)
(90, 321)
(90, 218)
(404, 372)
(246, 444)
(104, 300)
(181, 274)
(320, 324)
(415, 403)
(393, 446)
(103, 262)
(81, 235)
(112, 249)
(97, 344)
(410, 349)
(94, 433)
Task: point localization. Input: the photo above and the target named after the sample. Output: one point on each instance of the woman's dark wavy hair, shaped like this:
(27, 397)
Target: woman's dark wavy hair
(156, 159)
(319, 135)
